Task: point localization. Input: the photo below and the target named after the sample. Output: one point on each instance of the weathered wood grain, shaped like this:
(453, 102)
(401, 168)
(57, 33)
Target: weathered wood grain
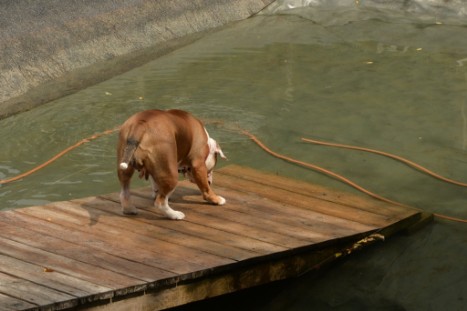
(85, 253)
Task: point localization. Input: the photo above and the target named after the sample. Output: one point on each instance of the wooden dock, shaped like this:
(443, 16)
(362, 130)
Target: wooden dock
(84, 253)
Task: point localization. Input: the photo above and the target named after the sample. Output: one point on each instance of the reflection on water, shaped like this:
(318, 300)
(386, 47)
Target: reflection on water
(362, 78)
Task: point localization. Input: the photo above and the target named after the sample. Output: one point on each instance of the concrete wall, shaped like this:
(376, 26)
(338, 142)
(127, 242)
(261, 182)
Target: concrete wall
(51, 48)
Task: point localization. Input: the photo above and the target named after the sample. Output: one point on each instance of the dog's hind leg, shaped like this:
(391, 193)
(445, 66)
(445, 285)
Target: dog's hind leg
(125, 176)
(154, 186)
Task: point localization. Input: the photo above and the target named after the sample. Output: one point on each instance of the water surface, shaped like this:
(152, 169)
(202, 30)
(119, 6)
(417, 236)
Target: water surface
(390, 82)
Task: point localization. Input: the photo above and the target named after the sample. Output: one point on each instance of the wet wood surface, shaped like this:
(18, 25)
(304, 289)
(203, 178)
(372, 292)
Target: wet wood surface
(85, 253)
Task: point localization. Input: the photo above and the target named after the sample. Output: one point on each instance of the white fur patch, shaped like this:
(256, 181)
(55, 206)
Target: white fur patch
(123, 166)
(169, 212)
(221, 201)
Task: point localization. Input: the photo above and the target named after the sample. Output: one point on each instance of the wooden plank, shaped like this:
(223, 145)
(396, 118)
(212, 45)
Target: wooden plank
(212, 219)
(69, 266)
(243, 277)
(245, 228)
(136, 271)
(50, 278)
(271, 228)
(323, 193)
(279, 213)
(283, 226)
(152, 250)
(259, 206)
(201, 229)
(369, 217)
(8, 303)
(34, 293)
(155, 224)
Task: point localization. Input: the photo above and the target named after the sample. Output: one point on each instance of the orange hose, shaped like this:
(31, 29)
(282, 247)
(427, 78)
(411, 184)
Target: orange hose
(319, 169)
(401, 159)
(58, 155)
(390, 155)
(450, 218)
(275, 154)
(337, 176)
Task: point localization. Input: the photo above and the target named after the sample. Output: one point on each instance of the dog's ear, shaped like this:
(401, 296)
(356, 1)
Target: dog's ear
(214, 148)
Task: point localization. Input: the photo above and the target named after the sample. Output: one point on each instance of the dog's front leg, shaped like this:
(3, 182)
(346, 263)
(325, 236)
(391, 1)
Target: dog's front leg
(200, 175)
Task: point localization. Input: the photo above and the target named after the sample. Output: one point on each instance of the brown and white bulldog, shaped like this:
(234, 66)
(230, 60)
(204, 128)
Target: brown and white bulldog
(159, 144)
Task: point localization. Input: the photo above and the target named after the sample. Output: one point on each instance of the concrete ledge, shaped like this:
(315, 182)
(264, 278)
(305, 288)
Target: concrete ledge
(51, 48)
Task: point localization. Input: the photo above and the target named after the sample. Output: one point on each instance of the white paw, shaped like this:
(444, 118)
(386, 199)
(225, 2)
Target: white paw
(176, 215)
(221, 201)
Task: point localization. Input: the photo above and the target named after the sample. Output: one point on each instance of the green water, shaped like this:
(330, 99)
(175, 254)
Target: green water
(396, 84)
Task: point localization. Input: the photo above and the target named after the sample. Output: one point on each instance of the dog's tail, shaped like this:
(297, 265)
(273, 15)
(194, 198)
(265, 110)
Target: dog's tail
(128, 151)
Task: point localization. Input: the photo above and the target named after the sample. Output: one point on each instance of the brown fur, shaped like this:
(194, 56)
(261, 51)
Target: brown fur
(157, 143)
